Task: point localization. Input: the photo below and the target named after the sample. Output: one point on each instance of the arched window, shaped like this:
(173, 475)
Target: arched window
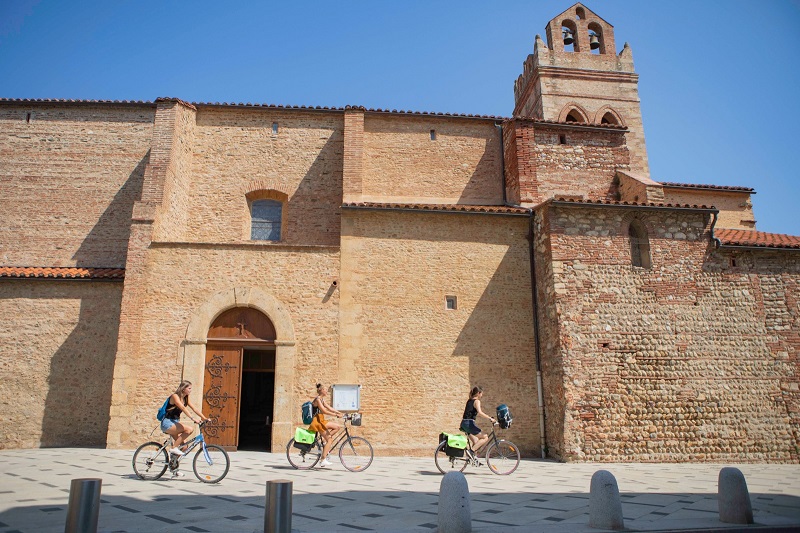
(569, 32)
(265, 220)
(640, 245)
(608, 118)
(574, 116)
(597, 44)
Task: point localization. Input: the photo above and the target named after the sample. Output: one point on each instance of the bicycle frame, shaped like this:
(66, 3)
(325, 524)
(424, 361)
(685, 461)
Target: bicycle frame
(191, 444)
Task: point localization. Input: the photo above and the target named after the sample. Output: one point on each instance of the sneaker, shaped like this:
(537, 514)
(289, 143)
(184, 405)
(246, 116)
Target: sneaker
(178, 473)
(176, 451)
(325, 463)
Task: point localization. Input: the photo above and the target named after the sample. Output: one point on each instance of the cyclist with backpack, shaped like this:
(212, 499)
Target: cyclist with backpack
(320, 425)
(471, 411)
(179, 402)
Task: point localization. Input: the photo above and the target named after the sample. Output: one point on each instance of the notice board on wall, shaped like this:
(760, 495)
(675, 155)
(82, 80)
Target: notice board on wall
(346, 397)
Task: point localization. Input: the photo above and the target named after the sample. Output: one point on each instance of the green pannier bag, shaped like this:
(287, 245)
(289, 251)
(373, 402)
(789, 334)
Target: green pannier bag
(457, 441)
(304, 436)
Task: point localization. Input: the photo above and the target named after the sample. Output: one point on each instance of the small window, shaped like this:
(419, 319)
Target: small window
(562, 139)
(433, 135)
(450, 302)
(640, 245)
(28, 118)
(265, 220)
(275, 127)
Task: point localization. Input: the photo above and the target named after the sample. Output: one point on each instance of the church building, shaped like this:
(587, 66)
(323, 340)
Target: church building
(257, 250)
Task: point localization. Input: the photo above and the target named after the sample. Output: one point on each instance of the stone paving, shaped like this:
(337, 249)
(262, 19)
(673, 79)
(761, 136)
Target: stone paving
(394, 494)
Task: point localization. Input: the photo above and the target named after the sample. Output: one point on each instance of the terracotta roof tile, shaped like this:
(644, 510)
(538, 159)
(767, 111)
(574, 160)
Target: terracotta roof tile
(579, 124)
(247, 104)
(449, 208)
(632, 204)
(743, 237)
(62, 272)
(711, 187)
(68, 101)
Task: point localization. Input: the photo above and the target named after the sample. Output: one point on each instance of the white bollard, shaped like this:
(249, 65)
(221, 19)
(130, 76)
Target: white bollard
(454, 509)
(733, 497)
(605, 506)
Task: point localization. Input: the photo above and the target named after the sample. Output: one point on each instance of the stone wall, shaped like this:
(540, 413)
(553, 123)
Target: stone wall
(463, 164)
(418, 360)
(735, 208)
(56, 157)
(57, 358)
(689, 360)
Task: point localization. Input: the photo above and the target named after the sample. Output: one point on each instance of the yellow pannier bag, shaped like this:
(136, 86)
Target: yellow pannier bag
(457, 441)
(304, 436)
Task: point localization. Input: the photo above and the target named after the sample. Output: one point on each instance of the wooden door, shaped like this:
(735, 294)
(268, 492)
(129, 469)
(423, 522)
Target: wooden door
(222, 384)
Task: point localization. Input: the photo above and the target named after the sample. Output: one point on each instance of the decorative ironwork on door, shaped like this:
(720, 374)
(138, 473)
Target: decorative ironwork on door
(221, 394)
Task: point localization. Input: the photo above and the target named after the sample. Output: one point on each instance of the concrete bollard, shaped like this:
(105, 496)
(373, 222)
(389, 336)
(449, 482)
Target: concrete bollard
(83, 509)
(605, 506)
(278, 509)
(733, 497)
(455, 515)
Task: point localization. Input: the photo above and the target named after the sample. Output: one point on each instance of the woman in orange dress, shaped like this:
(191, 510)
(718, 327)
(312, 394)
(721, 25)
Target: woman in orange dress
(319, 425)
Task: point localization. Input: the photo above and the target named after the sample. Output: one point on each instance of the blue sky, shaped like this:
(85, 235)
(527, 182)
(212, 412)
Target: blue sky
(719, 81)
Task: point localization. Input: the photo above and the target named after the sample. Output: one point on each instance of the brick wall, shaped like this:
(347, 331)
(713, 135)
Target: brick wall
(550, 161)
(686, 361)
(235, 152)
(417, 360)
(57, 357)
(92, 156)
(402, 164)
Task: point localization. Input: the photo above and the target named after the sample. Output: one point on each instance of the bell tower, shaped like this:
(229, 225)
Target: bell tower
(578, 77)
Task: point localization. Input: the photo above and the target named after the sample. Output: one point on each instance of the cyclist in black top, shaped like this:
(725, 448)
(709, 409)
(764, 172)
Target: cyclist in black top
(471, 411)
(179, 402)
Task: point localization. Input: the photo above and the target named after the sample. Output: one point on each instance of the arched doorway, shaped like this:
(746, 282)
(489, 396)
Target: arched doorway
(239, 379)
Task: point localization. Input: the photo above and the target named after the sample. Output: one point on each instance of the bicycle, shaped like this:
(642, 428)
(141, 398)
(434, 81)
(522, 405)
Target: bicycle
(355, 452)
(151, 459)
(502, 456)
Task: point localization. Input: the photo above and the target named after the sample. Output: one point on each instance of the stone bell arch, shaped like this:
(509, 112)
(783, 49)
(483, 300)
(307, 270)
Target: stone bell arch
(194, 348)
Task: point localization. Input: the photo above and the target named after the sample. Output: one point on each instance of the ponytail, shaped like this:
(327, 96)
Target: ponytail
(475, 390)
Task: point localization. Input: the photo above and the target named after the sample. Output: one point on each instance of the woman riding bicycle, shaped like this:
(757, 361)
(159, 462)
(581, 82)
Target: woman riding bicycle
(320, 425)
(171, 425)
(471, 411)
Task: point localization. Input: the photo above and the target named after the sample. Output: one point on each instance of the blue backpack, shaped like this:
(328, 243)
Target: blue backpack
(163, 411)
(307, 411)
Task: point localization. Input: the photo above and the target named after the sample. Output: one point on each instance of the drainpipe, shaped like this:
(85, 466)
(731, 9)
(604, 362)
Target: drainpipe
(715, 240)
(536, 345)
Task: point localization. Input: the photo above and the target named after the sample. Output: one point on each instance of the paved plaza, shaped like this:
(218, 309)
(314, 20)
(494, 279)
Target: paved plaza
(394, 494)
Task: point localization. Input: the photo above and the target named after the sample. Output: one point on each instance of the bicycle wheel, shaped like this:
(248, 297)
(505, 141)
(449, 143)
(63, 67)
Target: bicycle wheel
(303, 460)
(446, 464)
(502, 457)
(356, 454)
(150, 460)
(212, 464)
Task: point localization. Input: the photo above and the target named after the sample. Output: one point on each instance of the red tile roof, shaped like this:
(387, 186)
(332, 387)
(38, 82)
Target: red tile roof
(447, 208)
(711, 187)
(630, 204)
(744, 237)
(62, 272)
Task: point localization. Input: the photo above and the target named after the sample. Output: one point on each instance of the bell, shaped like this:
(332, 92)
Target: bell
(568, 37)
(594, 42)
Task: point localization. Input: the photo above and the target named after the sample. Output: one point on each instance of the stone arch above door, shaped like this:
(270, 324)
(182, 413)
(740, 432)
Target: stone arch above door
(194, 349)
(241, 297)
